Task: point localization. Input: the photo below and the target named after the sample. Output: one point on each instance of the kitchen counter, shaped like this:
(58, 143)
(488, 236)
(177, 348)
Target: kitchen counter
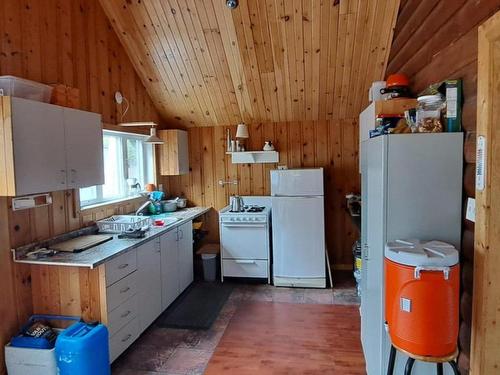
(99, 254)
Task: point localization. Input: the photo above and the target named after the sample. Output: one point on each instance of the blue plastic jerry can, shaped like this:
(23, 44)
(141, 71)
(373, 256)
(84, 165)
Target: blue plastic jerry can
(83, 349)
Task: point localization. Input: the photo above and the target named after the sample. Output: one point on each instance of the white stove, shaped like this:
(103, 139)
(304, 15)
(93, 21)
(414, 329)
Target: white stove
(245, 241)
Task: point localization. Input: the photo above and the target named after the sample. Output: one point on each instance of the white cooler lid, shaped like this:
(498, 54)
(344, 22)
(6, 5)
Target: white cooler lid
(416, 253)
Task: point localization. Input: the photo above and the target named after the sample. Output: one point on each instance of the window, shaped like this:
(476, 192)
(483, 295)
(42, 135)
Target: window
(128, 167)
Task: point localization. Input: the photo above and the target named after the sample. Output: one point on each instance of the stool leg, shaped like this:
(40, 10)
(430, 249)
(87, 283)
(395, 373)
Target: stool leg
(454, 366)
(409, 366)
(392, 360)
(439, 367)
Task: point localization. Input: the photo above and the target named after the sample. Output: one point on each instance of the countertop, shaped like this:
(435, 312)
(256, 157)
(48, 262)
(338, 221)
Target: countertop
(100, 254)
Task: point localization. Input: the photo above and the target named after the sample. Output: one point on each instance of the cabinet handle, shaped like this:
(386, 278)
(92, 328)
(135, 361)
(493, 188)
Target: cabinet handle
(125, 290)
(122, 266)
(126, 338)
(73, 176)
(177, 236)
(125, 314)
(63, 175)
(245, 261)
(182, 233)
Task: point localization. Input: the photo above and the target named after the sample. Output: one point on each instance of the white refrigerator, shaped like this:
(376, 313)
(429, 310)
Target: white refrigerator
(298, 228)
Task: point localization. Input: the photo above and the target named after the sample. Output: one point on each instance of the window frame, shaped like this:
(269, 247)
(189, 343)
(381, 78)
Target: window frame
(124, 138)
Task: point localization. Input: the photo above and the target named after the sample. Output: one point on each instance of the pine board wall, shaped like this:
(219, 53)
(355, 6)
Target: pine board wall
(433, 41)
(331, 144)
(69, 42)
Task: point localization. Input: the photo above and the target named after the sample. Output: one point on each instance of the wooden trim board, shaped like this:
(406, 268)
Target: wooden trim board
(485, 355)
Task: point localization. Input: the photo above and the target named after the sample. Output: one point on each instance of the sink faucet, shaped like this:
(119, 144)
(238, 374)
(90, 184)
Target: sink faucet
(143, 206)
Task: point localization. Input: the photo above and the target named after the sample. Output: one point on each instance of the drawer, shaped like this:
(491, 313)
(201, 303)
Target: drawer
(121, 266)
(122, 339)
(121, 315)
(245, 268)
(121, 291)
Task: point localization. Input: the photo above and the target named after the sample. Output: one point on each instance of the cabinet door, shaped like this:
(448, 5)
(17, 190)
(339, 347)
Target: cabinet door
(183, 151)
(84, 153)
(186, 255)
(39, 152)
(169, 268)
(149, 282)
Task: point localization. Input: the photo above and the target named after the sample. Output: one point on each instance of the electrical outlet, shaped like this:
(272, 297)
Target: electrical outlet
(471, 210)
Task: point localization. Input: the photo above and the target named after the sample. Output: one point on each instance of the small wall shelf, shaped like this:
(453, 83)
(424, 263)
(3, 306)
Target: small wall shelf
(253, 157)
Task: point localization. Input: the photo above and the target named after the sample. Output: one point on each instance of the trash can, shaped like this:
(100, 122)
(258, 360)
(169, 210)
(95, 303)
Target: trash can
(209, 266)
(422, 296)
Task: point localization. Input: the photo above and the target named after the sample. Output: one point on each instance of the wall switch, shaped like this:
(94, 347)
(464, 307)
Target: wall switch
(471, 210)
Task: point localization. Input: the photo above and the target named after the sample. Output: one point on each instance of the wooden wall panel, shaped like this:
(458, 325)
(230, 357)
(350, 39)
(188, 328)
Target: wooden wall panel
(265, 61)
(73, 43)
(329, 144)
(433, 41)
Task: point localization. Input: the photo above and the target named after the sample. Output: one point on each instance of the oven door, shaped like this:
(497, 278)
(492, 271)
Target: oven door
(244, 240)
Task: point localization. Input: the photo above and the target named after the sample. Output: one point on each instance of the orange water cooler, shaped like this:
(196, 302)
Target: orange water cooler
(422, 285)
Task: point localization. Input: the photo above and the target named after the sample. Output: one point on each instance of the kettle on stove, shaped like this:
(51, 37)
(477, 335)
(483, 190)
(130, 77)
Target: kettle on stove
(236, 203)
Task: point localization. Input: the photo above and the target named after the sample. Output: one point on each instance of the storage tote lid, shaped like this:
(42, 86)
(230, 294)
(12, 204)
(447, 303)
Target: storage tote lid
(416, 253)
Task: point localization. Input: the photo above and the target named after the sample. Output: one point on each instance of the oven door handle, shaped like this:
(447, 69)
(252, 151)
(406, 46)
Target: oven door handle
(246, 225)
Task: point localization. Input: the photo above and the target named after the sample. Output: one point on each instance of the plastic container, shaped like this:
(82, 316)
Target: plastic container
(30, 361)
(83, 349)
(24, 88)
(422, 297)
(209, 266)
(429, 113)
(33, 356)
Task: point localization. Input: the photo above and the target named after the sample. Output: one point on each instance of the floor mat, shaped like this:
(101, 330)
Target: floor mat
(197, 307)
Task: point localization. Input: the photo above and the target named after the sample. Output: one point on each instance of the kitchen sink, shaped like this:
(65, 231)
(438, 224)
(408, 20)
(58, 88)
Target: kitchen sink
(166, 217)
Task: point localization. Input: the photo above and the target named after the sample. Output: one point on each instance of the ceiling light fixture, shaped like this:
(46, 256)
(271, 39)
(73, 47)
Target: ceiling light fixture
(153, 138)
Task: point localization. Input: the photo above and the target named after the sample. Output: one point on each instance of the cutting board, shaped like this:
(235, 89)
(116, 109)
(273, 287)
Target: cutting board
(81, 243)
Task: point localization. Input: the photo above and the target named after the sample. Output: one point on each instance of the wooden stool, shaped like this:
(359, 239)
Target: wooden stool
(412, 358)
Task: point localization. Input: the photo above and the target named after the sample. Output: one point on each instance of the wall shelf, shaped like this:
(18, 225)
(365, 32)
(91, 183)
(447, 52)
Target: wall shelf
(254, 157)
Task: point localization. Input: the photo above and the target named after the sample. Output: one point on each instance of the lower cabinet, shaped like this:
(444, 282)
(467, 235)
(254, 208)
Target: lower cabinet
(185, 248)
(169, 268)
(176, 262)
(143, 282)
(149, 282)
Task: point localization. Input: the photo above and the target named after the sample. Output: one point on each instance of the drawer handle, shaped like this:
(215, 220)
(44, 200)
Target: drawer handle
(125, 290)
(125, 314)
(245, 261)
(126, 338)
(122, 266)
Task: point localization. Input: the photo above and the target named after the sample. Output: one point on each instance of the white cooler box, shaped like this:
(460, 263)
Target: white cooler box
(28, 361)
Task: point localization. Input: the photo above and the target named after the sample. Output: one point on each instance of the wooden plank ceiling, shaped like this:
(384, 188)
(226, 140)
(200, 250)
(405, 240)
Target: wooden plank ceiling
(268, 60)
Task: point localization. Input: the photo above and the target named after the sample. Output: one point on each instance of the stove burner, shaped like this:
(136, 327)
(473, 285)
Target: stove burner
(250, 209)
(254, 209)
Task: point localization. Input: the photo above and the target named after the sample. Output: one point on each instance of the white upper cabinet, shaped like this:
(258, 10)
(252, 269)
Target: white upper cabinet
(38, 147)
(46, 148)
(84, 155)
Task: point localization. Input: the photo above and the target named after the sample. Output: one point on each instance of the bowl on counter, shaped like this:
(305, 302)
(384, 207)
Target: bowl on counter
(169, 206)
(181, 202)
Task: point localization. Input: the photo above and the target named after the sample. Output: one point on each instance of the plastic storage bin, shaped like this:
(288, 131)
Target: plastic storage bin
(83, 349)
(24, 88)
(33, 356)
(209, 266)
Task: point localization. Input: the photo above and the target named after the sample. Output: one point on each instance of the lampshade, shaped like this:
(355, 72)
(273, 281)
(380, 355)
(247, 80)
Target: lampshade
(242, 131)
(153, 138)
